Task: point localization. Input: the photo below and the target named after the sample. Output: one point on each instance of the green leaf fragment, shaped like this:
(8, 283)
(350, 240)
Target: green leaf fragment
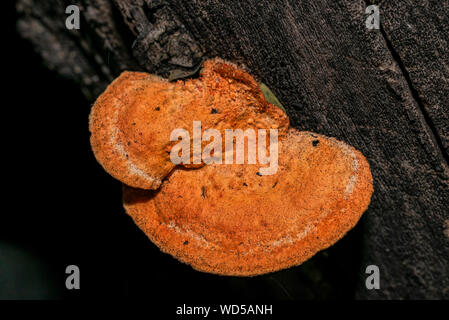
(183, 74)
(270, 97)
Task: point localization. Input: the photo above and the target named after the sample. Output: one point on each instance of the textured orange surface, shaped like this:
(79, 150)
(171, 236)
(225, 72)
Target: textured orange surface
(228, 220)
(225, 218)
(131, 121)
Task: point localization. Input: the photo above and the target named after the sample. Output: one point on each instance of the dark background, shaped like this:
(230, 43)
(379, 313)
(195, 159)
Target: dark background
(61, 208)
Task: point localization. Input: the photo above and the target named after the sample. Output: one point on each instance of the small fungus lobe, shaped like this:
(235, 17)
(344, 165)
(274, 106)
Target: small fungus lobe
(281, 220)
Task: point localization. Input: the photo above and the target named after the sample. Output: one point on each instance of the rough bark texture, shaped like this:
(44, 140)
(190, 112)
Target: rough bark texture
(386, 92)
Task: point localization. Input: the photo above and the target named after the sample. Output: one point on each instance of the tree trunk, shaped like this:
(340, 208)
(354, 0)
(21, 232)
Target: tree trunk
(385, 92)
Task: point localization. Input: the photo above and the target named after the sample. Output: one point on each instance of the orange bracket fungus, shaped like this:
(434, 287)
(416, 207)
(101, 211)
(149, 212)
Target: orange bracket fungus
(131, 122)
(225, 218)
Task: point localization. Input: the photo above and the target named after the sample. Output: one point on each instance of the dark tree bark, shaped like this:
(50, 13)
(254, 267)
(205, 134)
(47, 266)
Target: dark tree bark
(386, 92)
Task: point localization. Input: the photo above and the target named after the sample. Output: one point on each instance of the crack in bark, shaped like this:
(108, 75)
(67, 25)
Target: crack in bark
(415, 95)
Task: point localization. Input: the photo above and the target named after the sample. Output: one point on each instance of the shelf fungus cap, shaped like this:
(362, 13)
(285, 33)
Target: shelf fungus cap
(229, 220)
(132, 121)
